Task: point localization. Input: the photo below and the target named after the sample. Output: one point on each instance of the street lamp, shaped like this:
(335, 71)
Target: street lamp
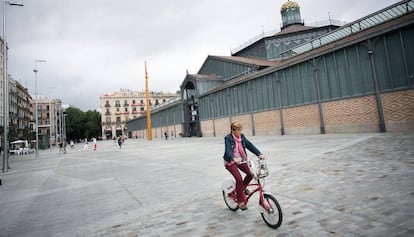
(6, 90)
(36, 109)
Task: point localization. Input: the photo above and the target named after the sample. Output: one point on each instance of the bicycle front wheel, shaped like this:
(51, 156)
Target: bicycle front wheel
(229, 199)
(271, 213)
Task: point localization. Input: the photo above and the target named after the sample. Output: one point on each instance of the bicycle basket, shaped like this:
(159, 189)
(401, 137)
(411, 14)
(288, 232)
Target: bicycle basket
(259, 169)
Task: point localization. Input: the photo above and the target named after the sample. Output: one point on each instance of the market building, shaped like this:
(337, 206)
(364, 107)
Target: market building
(356, 77)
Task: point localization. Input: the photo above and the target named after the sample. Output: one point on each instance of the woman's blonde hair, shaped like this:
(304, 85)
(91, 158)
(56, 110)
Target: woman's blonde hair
(235, 125)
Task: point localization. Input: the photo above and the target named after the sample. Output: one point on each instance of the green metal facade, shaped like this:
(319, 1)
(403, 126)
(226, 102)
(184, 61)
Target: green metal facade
(224, 69)
(257, 50)
(165, 117)
(344, 73)
(271, 48)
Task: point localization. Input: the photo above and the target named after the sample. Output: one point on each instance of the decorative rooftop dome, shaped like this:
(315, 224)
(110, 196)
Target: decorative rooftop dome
(290, 11)
(289, 4)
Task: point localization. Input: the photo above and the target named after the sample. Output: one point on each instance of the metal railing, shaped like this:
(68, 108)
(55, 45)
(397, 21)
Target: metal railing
(265, 34)
(379, 17)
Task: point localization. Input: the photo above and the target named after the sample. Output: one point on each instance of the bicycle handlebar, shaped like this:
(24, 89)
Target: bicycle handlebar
(246, 161)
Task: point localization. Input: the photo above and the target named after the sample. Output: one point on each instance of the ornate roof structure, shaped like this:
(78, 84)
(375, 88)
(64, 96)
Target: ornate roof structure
(289, 4)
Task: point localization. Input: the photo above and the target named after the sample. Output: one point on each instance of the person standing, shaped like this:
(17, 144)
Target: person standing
(94, 144)
(60, 146)
(235, 144)
(85, 144)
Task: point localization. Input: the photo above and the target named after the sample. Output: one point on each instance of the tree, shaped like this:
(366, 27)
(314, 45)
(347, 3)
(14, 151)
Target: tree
(80, 125)
(74, 123)
(93, 126)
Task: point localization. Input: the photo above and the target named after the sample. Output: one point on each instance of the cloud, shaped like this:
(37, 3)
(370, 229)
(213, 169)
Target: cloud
(93, 47)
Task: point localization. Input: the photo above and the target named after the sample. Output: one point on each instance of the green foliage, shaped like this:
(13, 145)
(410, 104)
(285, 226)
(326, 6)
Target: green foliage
(81, 124)
(18, 134)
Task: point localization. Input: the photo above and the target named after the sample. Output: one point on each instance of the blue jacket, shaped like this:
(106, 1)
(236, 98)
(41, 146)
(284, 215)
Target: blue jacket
(229, 144)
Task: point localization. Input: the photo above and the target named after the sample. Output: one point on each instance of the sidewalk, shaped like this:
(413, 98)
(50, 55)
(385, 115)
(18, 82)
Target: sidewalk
(327, 185)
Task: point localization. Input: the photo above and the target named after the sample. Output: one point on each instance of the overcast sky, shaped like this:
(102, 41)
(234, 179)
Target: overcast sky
(93, 47)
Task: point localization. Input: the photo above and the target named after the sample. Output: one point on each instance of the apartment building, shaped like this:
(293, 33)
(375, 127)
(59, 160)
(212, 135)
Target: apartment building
(49, 120)
(119, 107)
(20, 111)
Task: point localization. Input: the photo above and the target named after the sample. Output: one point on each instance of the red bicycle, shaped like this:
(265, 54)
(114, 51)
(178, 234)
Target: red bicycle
(271, 211)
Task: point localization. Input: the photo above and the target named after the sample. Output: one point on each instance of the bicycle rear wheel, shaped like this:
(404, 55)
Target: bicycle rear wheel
(273, 215)
(229, 199)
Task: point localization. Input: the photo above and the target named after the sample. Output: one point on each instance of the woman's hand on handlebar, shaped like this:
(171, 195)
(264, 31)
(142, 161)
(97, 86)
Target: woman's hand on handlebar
(261, 156)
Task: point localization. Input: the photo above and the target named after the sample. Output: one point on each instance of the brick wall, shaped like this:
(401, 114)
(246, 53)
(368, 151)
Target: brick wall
(301, 120)
(351, 115)
(207, 128)
(267, 123)
(398, 111)
(341, 116)
(222, 127)
(158, 133)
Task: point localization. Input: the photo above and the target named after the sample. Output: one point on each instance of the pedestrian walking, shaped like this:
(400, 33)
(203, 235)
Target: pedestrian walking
(120, 142)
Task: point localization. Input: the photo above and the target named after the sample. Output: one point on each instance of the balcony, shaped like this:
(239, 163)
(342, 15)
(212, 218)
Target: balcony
(138, 112)
(137, 104)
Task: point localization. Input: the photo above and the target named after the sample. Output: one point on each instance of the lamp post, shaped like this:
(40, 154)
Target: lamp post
(64, 131)
(6, 90)
(36, 109)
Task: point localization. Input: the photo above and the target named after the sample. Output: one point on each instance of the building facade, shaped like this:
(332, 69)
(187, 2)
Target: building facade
(20, 112)
(355, 78)
(119, 107)
(50, 121)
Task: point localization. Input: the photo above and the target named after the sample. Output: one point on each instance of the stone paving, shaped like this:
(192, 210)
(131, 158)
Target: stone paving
(327, 185)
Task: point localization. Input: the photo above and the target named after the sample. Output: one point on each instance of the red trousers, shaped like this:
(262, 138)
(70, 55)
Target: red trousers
(240, 182)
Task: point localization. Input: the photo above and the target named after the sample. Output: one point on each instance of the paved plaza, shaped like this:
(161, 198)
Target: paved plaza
(327, 185)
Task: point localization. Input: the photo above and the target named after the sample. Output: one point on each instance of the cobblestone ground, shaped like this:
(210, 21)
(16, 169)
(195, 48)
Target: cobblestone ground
(366, 189)
(328, 185)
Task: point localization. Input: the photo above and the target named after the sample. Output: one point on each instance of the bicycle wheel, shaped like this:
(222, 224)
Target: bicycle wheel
(229, 200)
(272, 216)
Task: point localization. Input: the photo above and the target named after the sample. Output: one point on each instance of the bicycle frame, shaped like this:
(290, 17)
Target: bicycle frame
(259, 188)
(271, 212)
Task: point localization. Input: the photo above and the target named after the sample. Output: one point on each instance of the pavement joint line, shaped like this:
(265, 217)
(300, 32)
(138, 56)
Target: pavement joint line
(130, 193)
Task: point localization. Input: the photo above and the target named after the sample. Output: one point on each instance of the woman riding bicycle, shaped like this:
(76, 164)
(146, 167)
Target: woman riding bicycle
(234, 153)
